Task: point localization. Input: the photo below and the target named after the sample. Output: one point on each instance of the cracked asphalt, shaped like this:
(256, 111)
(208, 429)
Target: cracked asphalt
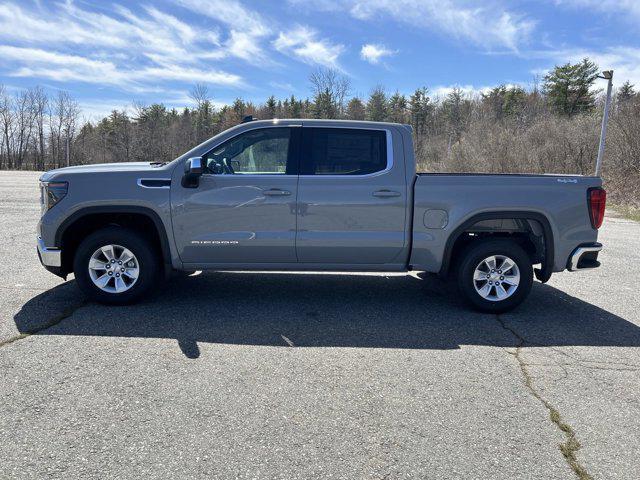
(245, 375)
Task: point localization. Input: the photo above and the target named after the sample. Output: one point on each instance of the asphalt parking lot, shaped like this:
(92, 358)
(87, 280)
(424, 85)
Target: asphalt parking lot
(244, 375)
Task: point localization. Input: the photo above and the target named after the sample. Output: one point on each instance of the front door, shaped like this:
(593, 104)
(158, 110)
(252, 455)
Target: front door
(352, 198)
(243, 211)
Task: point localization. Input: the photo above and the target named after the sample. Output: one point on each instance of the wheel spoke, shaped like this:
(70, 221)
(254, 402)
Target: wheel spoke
(108, 252)
(95, 264)
(484, 291)
(512, 280)
(120, 285)
(102, 280)
(491, 262)
(125, 256)
(479, 275)
(501, 293)
(132, 273)
(507, 264)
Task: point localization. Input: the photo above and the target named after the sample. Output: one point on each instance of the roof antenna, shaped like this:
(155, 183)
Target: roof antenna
(247, 118)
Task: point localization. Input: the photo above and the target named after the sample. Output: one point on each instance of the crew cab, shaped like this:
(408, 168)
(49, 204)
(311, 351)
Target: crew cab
(314, 195)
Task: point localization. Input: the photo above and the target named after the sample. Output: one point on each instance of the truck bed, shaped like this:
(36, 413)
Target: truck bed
(445, 204)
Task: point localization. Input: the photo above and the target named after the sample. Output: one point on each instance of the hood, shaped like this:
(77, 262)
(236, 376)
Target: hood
(101, 168)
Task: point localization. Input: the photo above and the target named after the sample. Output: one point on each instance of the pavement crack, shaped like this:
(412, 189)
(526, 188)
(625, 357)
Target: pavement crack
(53, 321)
(571, 445)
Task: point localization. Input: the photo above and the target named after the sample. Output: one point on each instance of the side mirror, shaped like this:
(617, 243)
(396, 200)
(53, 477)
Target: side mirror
(192, 172)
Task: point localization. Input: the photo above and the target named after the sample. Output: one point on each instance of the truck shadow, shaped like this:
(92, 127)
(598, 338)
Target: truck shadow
(312, 310)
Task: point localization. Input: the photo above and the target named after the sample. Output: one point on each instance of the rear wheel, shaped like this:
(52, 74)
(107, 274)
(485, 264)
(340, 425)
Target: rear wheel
(116, 266)
(495, 275)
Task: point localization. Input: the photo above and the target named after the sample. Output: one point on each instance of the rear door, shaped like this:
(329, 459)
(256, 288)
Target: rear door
(243, 211)
(352, 197)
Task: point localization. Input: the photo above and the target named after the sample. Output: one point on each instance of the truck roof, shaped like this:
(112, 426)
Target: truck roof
(326, 122)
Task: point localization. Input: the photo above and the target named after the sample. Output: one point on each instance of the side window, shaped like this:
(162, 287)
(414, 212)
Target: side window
(257, 152)
(344, 151)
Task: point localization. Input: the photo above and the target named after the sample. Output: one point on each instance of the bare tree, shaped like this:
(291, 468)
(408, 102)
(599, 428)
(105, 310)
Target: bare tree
(330, 90)
(39, 104)
(6, 119)
(24, 126)
(199, 94)
(69, 124)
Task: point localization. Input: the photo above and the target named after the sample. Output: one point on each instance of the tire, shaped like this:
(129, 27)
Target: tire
(474, 275)
(144, 265)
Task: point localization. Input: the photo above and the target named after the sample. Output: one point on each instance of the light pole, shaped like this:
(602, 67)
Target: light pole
(607, 75)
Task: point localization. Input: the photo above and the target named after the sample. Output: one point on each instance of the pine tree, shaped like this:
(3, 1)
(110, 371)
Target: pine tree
(377, 109)
(398, 108)
(270, 107)
(454, 107)
(495, 100)
(568, 87)
(296, 107)
(626, 92)
(420, 109)
(355, 109)
(324, 105)
(515, 101)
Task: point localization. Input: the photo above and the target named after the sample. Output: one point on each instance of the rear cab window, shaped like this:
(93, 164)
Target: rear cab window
(343, 151)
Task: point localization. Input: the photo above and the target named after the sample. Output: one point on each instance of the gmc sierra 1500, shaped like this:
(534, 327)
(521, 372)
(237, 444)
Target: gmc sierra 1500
(314, 195)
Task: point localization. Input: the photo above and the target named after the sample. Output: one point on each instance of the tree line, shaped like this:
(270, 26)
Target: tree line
(552, 126)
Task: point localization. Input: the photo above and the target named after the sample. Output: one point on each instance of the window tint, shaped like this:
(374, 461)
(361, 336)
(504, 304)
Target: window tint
(343, 151)
(262, 151)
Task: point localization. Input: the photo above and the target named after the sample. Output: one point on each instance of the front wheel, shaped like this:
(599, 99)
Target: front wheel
(116, 266)
(495, 276)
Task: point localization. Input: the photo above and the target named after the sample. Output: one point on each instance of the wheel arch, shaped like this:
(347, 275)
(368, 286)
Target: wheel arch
(542, 274)
(124, 215)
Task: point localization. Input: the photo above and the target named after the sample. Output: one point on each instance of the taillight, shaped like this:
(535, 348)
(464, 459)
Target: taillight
(597, 199)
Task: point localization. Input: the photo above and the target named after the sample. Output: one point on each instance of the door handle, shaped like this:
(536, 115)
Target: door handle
(276, 192)
(386, 193)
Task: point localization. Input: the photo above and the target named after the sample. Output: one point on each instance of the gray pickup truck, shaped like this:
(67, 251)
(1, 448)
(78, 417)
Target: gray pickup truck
(315, 195)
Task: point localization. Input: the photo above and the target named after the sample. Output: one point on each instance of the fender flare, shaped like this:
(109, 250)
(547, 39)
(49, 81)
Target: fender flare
(543, 274)
(148, 212)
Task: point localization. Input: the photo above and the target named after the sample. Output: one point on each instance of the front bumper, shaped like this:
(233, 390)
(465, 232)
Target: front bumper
(49, 257)
(584, 257)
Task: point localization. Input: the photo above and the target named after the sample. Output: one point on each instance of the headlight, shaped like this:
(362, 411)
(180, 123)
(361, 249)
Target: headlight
(51, 193)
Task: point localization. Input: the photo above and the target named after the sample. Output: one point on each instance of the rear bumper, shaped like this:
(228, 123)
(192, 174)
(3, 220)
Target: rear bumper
(49, 257)
(584, 257)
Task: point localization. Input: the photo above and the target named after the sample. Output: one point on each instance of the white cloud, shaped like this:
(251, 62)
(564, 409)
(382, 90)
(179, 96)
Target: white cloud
(441, 91)
(63, 68)
(133, 51)
(248, 28)
(245, 46)
(303, 43)
(284, 86)
(625, 7)
(487, 25)
(372, 53)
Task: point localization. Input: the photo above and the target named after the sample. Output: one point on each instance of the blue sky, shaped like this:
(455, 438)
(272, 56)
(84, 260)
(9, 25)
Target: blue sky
(110, 54)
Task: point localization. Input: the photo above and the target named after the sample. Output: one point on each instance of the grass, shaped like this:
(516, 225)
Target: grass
(626, 211)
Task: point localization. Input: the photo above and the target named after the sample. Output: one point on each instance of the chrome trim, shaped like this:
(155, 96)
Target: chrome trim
(140, 180)
(578, 252)
(50, 257)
